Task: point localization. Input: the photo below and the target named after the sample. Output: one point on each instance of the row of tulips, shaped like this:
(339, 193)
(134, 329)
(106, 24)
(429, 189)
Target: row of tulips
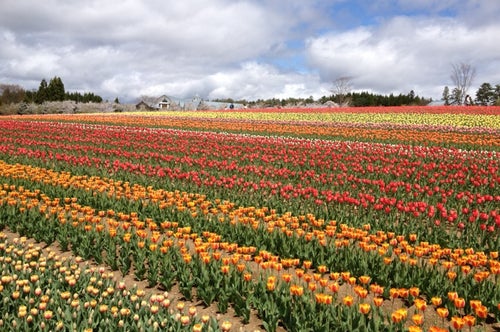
(365, 189)
(268, 256)
(445, 135)
(273, 297)
(416, 120)
(306, 226)
(42, 291)
(458, 110)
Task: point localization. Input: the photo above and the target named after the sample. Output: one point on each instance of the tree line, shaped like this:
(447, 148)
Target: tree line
(486, 95)
(51, 91)
(355, 99)
(360, 99)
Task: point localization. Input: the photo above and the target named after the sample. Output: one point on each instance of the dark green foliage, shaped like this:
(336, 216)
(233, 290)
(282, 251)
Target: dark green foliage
(56, 89)
(357, 99)
(43, 92)
(487, 94)
(87, 97)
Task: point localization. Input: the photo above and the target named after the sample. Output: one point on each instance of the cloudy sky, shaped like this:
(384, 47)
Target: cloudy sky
(247, 49)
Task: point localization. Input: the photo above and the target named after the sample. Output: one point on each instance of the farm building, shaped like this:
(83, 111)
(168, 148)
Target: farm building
(165, 102)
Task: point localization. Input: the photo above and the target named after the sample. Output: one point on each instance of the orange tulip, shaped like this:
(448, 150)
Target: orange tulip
(459, 302)
(414, 291)
(127, 237)
(240, 267)
(205, 258)
(364, 280)
(378, 301)
(482, 312)
(469, 320)
(287, 277)
(334, 275)
(451, 275)
(323, 298)
(271, 285)
(361, 292)
(420, 304)
(225, 269)
(322, 269)
(436, 301)
(345, 275)
(403, 293)
(328, 299)
(457, 322)
(417, 319)
(397, 316)
(475, 304)
(348, 300)
(393, 293)
(364, 308)
(452, 295)
(403, 312)
(296, 290)
(442, 312)
(334, 287)
(465, 269)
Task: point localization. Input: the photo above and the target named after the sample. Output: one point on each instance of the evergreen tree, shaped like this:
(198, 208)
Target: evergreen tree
(485, 95)
(30, 96)
(56, 89)
(42, 94)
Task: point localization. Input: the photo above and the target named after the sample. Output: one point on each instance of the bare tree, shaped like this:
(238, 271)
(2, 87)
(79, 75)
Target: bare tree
(462, 75)
(11, 94)
(341, 88)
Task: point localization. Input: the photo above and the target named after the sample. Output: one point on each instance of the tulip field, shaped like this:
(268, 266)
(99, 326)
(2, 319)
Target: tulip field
(332, 219)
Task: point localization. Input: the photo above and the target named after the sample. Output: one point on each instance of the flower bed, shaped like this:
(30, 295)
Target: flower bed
(267, 224)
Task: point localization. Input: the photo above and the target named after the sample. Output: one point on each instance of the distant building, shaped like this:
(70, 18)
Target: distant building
(436, 103)
(143, 106)
(165, 102)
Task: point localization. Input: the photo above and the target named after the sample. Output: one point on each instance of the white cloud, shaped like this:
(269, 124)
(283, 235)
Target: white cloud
(404, 53)
(251, 81)
(245, 49)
